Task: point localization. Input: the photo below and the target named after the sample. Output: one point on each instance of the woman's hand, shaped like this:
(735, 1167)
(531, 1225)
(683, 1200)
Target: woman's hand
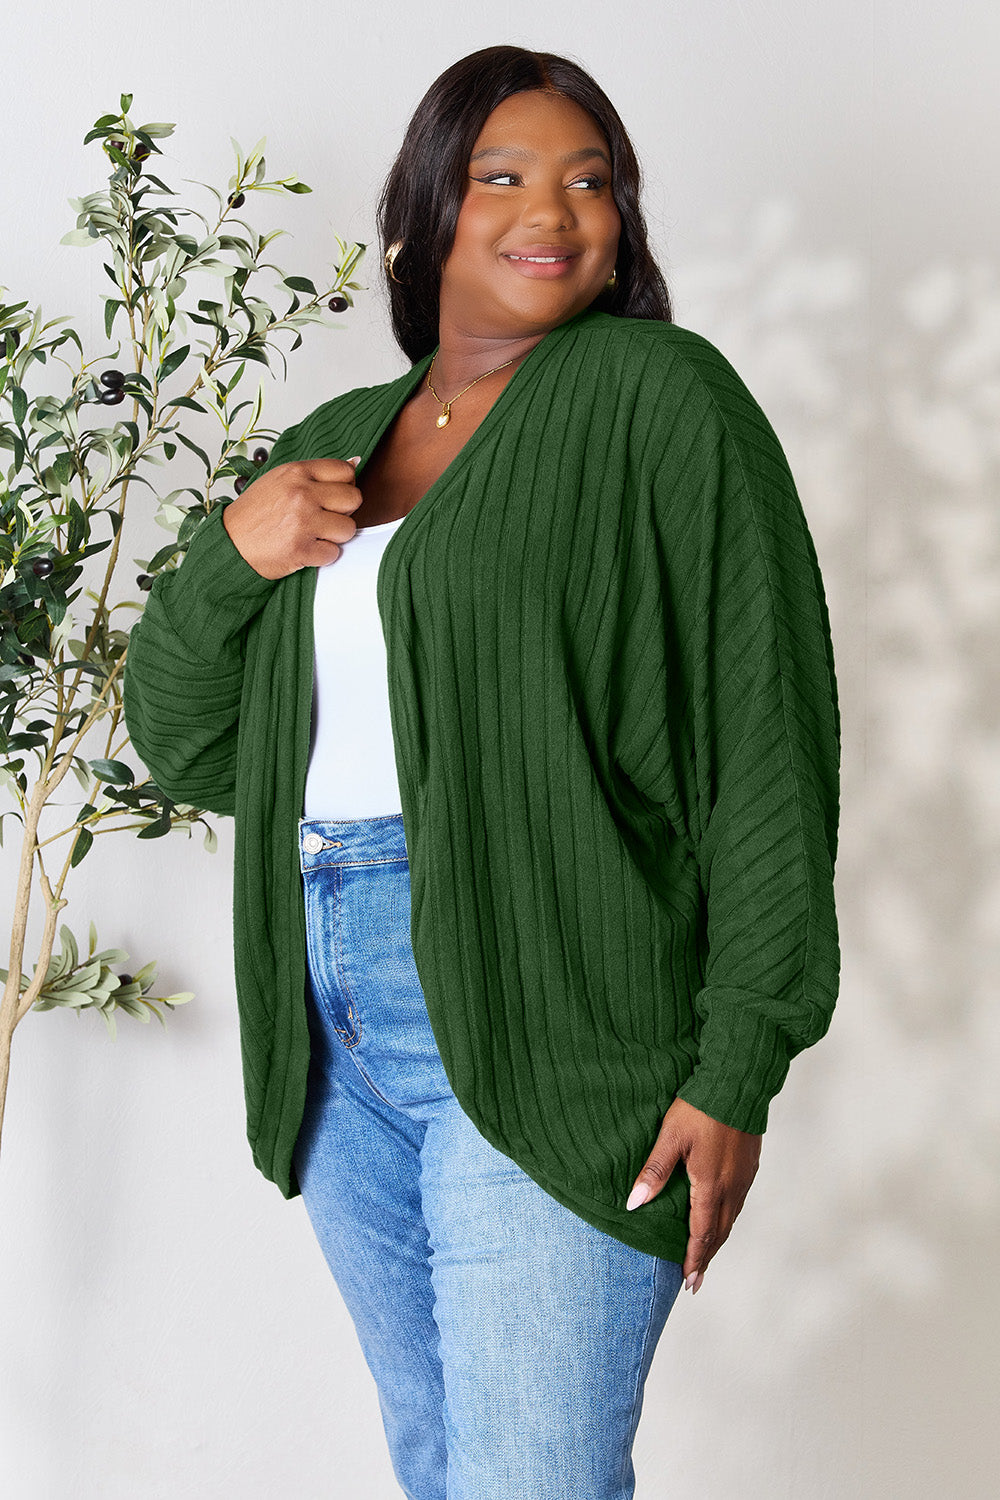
(721, 1163)
(295, 516)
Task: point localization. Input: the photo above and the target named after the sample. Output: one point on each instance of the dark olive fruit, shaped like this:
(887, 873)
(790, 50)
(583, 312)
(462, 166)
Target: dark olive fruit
(237, 201)
(124, 979)
(338, 304)
(26, 659)
(111, 398)
(260, 455)
(144, 581)
(12, 334)
(113, 378)
(241, 484)
(42, 567)
(141, 152)
(118, 145)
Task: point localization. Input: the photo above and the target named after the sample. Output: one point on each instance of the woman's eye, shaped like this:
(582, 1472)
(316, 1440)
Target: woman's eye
(589, 181)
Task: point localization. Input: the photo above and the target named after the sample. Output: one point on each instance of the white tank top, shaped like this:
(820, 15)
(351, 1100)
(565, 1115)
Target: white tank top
(352, 764)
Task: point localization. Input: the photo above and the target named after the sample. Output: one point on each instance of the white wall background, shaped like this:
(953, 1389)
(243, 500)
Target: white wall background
(823, 201)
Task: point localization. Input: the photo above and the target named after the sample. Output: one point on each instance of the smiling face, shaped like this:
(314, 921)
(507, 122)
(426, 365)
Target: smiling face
(538, 230)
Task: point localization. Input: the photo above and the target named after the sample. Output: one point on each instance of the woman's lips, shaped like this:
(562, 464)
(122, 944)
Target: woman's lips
(541, 269)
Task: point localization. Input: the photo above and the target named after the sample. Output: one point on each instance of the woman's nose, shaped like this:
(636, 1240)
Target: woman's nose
(547, 208)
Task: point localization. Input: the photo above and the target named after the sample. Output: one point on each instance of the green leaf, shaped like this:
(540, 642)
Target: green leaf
(250, 351)
(155, 830)
(301, 284)
(81, 844)
(203, 322)
(70, 333)
(19, 402)
(194, 449)
(126, 101)
(134, 1008)
(186, 401)
(111, 306)
(157, 561)
(79, 666)
(112, 770)
(81, 237)
(63, 470)
(177, 357)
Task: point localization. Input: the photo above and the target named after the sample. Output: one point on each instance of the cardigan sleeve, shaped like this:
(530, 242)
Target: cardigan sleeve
(183, 675)
(760, 779)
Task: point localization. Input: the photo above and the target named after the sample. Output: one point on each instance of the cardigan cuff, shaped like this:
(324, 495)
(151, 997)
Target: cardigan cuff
(743, 1060)
(214, 592)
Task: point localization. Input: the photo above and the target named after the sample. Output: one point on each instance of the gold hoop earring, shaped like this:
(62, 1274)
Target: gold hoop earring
(390, 259)
(612, 281)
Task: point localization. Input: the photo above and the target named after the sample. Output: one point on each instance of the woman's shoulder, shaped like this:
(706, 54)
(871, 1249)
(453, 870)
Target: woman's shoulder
(670, 360)
(665, 349)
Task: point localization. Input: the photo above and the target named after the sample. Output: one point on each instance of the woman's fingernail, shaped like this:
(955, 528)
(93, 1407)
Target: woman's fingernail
(638, 1195)
(690, 1280)
(701, 1278)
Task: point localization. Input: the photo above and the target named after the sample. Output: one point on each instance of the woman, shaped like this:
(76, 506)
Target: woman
(543, 672)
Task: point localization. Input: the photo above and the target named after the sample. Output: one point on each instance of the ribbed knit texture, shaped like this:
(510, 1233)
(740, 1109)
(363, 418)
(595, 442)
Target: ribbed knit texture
(615, 720)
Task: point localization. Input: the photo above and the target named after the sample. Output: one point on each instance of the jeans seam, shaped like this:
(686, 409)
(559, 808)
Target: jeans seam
(393, 859)
(350, 864)
(336, 822)
(633, 1419)
(352, 1039)
(376, 1091)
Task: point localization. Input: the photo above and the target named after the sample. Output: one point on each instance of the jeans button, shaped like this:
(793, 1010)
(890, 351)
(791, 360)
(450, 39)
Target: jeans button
(312, 843)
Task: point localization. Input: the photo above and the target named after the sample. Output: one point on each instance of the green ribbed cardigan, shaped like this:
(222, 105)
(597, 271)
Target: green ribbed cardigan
(617, 735)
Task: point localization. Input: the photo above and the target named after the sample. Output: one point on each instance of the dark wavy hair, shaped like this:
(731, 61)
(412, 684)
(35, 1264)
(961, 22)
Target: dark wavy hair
(427, 182)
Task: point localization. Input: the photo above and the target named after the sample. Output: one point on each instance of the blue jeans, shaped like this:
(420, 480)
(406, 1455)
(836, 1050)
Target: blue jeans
(509, 1339)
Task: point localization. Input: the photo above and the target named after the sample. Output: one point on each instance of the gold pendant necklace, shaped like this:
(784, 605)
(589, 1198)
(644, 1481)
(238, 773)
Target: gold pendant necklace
(446, 406)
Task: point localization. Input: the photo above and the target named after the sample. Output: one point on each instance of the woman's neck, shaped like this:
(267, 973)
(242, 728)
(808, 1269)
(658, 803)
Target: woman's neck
(460, 361)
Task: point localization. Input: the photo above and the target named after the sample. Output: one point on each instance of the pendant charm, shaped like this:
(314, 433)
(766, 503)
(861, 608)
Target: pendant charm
(445, 417)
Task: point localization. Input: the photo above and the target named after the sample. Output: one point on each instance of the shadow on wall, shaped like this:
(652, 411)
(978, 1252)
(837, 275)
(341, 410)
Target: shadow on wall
(882, 1157)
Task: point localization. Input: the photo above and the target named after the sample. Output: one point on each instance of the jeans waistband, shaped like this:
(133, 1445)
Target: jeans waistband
(351, 841)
